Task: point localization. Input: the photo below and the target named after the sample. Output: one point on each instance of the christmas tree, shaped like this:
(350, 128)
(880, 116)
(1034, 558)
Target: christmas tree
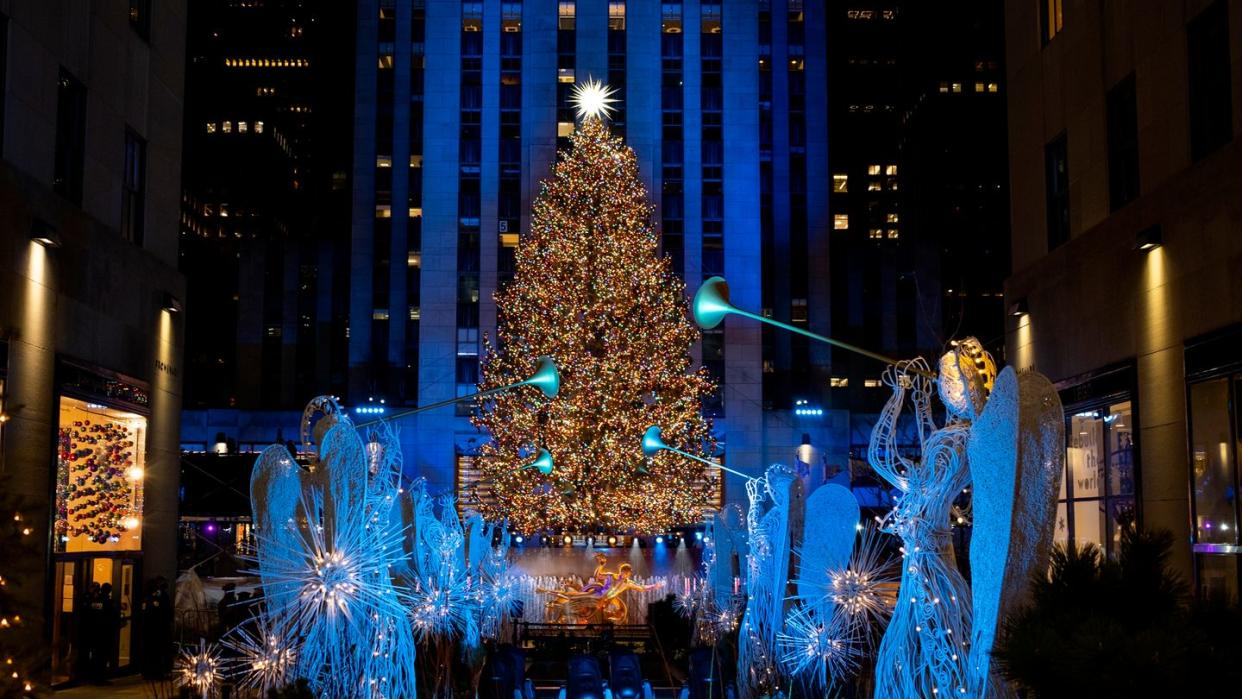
(591, 291)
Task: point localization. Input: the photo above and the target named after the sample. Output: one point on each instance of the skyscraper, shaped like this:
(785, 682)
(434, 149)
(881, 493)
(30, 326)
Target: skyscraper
(265, 201)
(460, 109)
(919, 194)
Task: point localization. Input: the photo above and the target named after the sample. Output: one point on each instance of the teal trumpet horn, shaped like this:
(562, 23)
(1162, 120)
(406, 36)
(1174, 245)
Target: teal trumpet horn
(653, 443)
(546, 378)
(542, 463)
(711, 305)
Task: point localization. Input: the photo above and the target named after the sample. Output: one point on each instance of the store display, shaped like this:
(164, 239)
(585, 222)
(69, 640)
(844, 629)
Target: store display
(98, 493)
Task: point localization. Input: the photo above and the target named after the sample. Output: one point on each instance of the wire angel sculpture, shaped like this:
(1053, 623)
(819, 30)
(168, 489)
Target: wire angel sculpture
(924, 650)
(328, 542)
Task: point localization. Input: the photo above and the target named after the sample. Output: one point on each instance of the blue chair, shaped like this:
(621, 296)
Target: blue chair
(625, 678)
(504, 675)
(706, 677)
(585, 681)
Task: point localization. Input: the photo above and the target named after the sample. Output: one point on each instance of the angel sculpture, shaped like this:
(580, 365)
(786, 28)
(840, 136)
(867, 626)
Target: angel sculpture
(1005, 440)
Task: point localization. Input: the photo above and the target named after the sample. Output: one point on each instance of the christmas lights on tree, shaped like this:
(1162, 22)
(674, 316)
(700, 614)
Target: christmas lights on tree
(592, 292)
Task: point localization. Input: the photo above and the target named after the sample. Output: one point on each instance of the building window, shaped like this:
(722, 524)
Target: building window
(1211, 108)
(1056, 167)
(140, 18)
(99, 478)
(838, 382)
(671, 17)
(841, 183)
(873, 169)
(70, 137)
(616, 15)
(134, 188)
(1052, 18)
(566, 14)
(1097, 497)
(1123, 148)
(841, 222)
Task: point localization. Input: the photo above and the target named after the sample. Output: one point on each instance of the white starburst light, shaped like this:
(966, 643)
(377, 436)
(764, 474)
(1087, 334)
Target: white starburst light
(593, 99)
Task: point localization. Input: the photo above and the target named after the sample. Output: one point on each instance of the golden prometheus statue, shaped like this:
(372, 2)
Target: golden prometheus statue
(601, 599)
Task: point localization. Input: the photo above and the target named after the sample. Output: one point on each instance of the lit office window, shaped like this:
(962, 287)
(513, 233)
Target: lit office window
(258, 127)
(944, 87)
(993, 87)
(875, 234)
(710, 17)
(566, 13)
(890, 170)
(383, 161)
(242, 127)
(873, 169)
(872, 383)
(841, 222)
(956, 87)
(891, 217)
(211, 127)
(227, 127)
(616, 15)
(838, 382)
(379, 314)
(841, 183)
(671, 18)
(873, 186)
(472, 16)
(893, 234)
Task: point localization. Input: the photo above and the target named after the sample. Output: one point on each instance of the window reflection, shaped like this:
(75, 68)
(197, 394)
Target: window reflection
(1096, 501)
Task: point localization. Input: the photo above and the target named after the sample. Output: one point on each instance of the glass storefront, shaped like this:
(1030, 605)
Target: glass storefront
(1215, 441)
(100, 457)
(100, 462)
(1097, 497)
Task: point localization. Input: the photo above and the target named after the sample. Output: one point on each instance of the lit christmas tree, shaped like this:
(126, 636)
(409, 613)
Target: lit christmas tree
(591, 291)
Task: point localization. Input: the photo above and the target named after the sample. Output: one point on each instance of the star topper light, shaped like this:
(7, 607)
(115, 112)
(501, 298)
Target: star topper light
(593, 99)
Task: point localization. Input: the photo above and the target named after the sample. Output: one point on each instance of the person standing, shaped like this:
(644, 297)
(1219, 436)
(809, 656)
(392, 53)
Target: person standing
(157, 618)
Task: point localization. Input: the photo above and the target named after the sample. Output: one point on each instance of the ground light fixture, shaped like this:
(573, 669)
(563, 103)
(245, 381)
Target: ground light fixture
(711, 305)
(653, 443)
(171, 303)
(546, 378)
(1019, 308)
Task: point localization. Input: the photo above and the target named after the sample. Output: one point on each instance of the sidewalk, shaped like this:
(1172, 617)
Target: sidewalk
(133, 687)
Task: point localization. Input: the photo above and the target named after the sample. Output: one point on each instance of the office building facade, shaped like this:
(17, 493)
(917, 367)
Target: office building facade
(1125, 171)
(90, 351)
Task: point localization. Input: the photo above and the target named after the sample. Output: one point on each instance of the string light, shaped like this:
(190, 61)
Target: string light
(591, 291)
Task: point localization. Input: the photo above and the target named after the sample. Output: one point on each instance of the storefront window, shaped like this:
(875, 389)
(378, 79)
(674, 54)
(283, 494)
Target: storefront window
(99, 471)
(1212, 463)
(1097, 495)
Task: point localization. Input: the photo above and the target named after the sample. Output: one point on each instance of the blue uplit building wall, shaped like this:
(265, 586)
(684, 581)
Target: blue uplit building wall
(460, 108)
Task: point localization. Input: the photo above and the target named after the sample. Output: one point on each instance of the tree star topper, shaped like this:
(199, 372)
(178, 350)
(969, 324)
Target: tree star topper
(593, 99)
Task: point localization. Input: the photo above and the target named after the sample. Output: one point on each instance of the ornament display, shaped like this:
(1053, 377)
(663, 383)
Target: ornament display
(97, 493)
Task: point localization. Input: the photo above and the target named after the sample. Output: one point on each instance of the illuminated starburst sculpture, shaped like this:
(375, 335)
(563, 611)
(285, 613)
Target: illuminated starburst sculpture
(593, 99)
(265, 660)
(861, 593)
(200, 668)
(816, 647)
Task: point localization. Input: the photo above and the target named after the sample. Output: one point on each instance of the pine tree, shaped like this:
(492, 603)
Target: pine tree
(591, 291)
